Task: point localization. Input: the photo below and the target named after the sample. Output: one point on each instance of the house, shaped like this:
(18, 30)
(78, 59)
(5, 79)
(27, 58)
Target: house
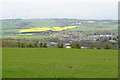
(67, 45)
(84, 47)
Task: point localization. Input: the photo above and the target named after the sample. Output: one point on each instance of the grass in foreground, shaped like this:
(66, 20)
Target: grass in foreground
(59, 63)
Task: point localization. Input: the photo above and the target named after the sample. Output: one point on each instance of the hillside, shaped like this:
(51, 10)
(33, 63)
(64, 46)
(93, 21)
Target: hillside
(59, 63)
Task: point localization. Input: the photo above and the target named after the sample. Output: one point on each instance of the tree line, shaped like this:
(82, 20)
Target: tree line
(77, 45)
(9, 43)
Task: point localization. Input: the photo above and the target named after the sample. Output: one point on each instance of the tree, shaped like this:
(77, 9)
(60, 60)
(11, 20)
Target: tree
(22, 45)
(41, 45)
(58, 45)
(45, 45)
(62, 46)
(30, 45)
(27, 46)
(35, 45)
(107, 46)
(18, 44)
(78, 46)
(74, 46)
(98, 48)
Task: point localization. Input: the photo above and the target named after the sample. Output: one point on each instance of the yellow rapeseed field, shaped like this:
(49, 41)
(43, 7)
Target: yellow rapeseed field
(25, 34)
(46, 29)
(91, 21)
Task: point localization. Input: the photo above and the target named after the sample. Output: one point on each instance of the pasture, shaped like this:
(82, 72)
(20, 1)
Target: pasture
(59, 63)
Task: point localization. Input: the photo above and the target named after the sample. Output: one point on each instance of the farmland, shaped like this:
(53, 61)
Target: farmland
(59, 63)
(53, 31)
(46, 29)
(14, 28)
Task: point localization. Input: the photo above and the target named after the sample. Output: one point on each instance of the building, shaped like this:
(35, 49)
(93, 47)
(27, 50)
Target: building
(67, 45)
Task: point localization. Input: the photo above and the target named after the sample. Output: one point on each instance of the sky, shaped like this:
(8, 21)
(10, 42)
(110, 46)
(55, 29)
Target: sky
(72, 9)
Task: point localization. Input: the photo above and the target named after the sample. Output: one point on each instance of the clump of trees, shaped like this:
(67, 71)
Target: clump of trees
(9, 43)
(76, 45)
(99, 45)
(45, 45)
(73, 45)
(41, 44)
(107, 46)
(22, 44)
(60, 45)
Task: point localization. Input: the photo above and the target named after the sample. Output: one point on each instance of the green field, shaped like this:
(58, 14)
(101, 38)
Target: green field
(11, 28)
(59, 63)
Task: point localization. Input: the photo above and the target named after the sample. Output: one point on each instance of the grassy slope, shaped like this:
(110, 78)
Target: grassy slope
(52, 63)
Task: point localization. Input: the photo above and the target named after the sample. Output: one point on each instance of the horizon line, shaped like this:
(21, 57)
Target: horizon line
(53, 18)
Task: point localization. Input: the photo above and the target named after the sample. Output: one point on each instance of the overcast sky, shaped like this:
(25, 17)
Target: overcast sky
(80, 9)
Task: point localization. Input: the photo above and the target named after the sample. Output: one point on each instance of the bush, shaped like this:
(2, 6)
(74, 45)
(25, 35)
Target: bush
(45, 45)
(60, 46)
(35, 45)
(107, 46)
(76, 46)
(22, 45)
(41, 45)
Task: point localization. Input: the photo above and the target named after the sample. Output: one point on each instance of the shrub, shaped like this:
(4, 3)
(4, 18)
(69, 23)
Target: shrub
(45, 45)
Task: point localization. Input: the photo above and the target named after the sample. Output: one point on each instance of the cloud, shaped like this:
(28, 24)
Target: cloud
(88, 9)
